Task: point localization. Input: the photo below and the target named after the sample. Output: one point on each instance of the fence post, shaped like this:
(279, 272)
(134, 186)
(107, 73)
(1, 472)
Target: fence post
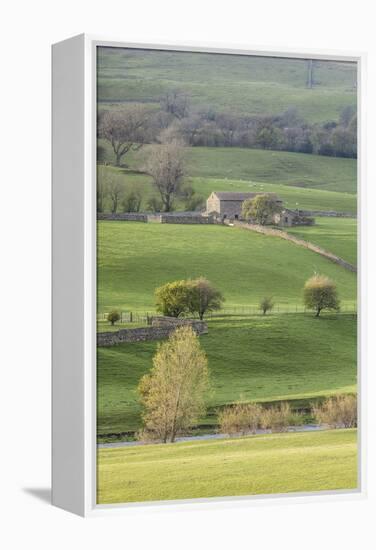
(130, 317)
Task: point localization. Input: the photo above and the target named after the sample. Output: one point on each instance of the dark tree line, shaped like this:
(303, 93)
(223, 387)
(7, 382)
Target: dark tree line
(128, 127)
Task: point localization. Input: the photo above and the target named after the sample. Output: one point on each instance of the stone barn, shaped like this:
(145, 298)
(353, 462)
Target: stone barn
(227, 205)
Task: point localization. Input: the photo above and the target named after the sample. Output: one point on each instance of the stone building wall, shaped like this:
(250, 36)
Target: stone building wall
(161, 327)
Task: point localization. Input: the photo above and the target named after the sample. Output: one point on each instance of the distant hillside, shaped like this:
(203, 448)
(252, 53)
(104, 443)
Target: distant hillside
(240, 84)
(293, 169)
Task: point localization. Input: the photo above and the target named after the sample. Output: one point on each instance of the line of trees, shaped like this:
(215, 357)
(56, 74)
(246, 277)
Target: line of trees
(192, 296)
(128, 127)
(199, 296)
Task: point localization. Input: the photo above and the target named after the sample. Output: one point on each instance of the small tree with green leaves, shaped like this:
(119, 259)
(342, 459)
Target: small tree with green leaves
(203, 297)
(260, 208)
(320, 293)
(173, 393)
(113, 317)
(266, 304)
(172, 299)
(132, 201)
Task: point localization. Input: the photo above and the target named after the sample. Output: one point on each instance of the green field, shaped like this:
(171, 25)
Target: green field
(303, 181)
(256, 85)
(293, 197)
(258, 165)
(135, 258)
(277, 357)
(268, 464)
(339, 235)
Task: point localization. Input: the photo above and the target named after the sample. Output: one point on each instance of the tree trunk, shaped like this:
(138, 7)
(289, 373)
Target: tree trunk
(318, 312)
(118, 159)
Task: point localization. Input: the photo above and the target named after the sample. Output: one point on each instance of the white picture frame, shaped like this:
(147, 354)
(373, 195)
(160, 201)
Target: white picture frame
(74, 275)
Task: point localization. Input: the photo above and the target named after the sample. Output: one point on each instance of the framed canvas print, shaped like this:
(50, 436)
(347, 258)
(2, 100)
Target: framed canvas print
(207, 290)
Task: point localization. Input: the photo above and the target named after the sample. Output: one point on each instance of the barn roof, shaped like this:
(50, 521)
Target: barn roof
(228, 196)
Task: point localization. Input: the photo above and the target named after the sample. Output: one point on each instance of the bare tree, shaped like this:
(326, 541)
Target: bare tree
(115, 190)
(175, 102)
(228, 125)
(124, 129)
(165, 165)
(101, 188)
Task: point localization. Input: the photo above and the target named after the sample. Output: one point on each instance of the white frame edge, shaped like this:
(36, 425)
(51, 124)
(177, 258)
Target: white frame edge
(74, 281)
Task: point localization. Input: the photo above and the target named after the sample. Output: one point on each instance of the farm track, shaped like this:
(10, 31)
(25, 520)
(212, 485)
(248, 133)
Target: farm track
(299, 242)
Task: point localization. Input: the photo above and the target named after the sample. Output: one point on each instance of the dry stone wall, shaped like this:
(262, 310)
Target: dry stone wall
(198, 219)
(173, 217)
(326, 214)
(123, 216)
(161, 327)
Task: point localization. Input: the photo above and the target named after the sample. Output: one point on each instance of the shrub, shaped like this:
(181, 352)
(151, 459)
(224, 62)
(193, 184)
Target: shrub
(266, 304)
(241, 418)
(339, 411)
(172, 299)
(203, 297)
(113, 317)
(278, 418)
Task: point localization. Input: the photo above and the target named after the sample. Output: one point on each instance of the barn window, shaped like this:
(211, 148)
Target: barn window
(286, 219)
(236, 216)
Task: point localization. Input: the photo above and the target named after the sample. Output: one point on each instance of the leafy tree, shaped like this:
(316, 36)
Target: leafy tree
(320, 293)
(132, 201)
(172, 394)
(266, 304)
(203, 297)
(113, 317)
(165, 165)
(125, 129)
(172, 299)
(260, 208)
(269, 137)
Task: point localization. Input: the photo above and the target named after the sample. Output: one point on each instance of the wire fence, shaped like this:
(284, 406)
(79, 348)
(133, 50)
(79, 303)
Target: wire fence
(142, 317)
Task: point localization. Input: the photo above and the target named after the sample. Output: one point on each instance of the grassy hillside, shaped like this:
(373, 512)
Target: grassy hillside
(277, 463)
(339, 235)
(293, 197)
(297, 169)
(135, 258)
(256, 85)
(289, 356)
(234, 163)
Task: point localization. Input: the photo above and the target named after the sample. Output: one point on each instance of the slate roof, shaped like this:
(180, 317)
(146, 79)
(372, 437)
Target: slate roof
(228, 196)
